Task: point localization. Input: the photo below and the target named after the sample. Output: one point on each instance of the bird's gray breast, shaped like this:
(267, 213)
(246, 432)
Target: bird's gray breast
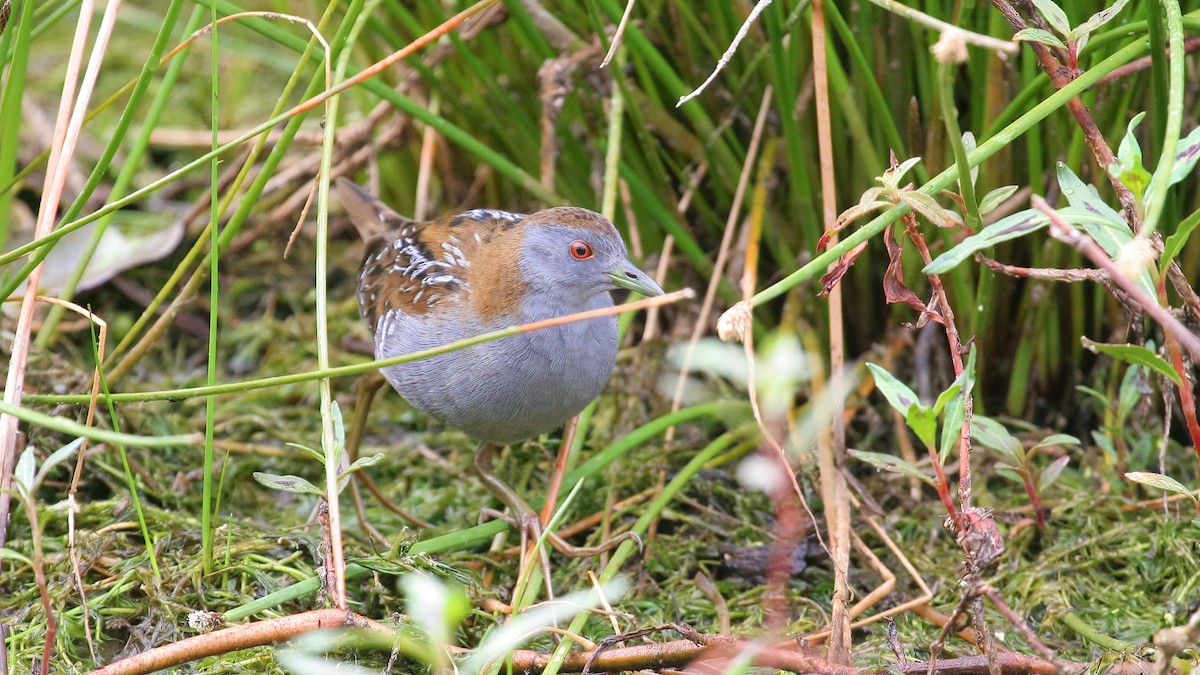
(505, 390)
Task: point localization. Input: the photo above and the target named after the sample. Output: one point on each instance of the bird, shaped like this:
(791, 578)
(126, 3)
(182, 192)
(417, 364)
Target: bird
(425, 285)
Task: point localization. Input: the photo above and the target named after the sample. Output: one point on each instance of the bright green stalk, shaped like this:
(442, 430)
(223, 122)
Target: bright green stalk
(1158, 184)
(130, 483)
(129, 167)
(10, 110)
(210, 402)
(943, 180)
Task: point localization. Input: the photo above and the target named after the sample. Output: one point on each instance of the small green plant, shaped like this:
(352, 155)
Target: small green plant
(1165, 482)
(1018, 462)
(1070, 39)
(300, 485)
(923, 420)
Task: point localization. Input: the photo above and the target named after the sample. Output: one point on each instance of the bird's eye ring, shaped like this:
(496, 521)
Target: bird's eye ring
(581, 250)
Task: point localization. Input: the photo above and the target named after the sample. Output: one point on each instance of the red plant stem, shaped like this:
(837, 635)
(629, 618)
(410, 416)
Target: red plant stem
(943, 486)
(956, 350)
(1186, 400)
(1034, 498)
(1060, 76)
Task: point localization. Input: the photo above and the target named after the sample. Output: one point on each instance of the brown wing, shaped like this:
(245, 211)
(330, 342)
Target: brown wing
(417, 265)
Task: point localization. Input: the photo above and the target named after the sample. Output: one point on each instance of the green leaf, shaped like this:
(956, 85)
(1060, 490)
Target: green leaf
(1054, 15)
(1105, 443)
(1100, 396)
(1128, 168)
(1187, 151)
(951, 392)
(992, 434)
(890, 463)
(1131, 392)
(1051, 473)
(293, 484)
(1099, 19)
(923, 422)
(892, 178)
(23, 474)
(9, 554)
(1039, 35)
(1160, 481)
(929, 208)
(1176, 241)
(1010, 227)
(951, 426)
(955, 411)
(436, 606)
(969, 144)
(896, 392)
(1098, 219)
(995, 198)
(57, 457)
(363, 462)
(1137, 355)
(1085, 198)
(1057, 439)
(316, 454)
(339, 434)
(1011, 473)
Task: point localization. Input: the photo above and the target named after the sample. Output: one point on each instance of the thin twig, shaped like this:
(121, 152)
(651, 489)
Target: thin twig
(737, 40)
(1065, 232)
(831, 440)
(920, 18)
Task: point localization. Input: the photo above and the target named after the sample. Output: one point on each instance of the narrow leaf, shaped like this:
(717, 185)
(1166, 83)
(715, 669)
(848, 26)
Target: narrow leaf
(1100, 18)
(951, 426)
(1051, 473)
(1160, 481)
(57, 457)
(1137, 355)
(1011, 227)
(1057, 439)
(892, 178)
(969, 144)
(1176, 241)
(317, 455)
(951, 392)
(890, 463)
(995, 198)
(1054, 15)
(1187, 151)
(1039, 35)
(294, 484)
(896, 392)
(1129, 168)
(1083, 196)
(929, 208)
(955, 408)
(992, 434)
(363, 462)
(23, 474)
(923, 422)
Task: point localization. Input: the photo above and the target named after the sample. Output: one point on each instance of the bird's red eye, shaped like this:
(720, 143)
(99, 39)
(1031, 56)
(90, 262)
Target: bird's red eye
(581, 250)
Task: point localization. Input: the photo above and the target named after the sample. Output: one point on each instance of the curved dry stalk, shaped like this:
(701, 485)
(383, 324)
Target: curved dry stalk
(66, 134)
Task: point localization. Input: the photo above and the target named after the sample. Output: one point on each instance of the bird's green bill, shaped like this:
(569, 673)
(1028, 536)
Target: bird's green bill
(635, 280)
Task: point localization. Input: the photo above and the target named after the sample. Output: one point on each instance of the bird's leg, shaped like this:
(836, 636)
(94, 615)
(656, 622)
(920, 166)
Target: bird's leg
(526, 518)
(368, 386)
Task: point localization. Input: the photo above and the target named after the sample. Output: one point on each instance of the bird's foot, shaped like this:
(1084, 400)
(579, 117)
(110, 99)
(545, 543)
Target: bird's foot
(530, 526)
